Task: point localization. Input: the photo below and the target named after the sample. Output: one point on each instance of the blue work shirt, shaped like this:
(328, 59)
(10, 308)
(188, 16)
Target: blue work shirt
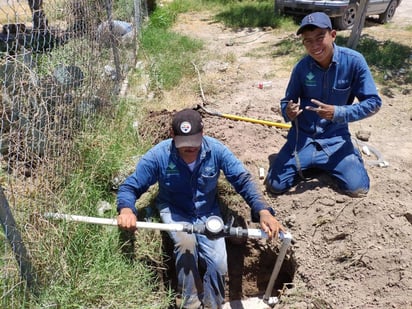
(191, 194)
(348, 77)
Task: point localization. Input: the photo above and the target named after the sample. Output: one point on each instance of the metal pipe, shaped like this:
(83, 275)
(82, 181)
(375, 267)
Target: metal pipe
(27, 270)
(286, 241)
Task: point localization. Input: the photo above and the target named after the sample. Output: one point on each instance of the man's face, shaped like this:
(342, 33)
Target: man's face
(188, 154)
(319, 44)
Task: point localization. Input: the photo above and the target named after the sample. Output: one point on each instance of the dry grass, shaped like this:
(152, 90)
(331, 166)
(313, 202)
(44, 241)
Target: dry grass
(14, 11)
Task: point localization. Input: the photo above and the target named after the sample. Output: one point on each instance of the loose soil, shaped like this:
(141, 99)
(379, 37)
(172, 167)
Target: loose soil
(347, 252)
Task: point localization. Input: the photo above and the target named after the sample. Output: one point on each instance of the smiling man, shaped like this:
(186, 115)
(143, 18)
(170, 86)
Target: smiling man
(320, 102)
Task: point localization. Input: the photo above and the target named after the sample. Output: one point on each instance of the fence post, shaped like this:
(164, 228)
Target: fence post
(113, 42)
(14, 237)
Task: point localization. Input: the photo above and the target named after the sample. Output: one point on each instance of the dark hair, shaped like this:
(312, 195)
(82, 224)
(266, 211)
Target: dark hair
(313, 28)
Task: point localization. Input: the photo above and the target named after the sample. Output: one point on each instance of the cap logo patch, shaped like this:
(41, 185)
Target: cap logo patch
(185, 127)
(311, 19)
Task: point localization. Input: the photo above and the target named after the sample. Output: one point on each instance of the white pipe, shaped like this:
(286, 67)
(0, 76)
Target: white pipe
(252, 233)
(256, 233)
(286, 241)
(379, 158)
(174, 227)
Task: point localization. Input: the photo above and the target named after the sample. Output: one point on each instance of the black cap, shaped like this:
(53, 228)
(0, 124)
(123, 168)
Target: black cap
(187, 126)
(316, 19)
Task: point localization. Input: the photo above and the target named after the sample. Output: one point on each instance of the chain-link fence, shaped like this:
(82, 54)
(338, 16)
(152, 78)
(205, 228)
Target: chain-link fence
(62, 62)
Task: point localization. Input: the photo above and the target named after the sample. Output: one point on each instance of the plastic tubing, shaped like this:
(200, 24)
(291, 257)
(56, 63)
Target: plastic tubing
(380, 161)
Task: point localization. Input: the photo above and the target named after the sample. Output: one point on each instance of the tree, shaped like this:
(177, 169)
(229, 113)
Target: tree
(358, 25)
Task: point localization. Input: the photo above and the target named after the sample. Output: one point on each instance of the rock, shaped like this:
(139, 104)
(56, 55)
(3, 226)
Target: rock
(387, 92)
(290, 221)
(68, 76)
(363, 135)
(102, 207)
(406, 91)
(408, 217)
(326, 201)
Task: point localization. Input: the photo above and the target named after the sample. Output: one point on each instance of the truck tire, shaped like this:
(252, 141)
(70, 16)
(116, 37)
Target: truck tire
(388, 14)
(347, 20)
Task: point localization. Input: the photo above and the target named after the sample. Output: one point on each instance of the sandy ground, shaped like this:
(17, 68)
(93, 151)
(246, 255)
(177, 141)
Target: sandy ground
(347, 253)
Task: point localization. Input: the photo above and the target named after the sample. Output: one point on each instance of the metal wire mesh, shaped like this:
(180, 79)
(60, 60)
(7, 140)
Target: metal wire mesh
(61, 65)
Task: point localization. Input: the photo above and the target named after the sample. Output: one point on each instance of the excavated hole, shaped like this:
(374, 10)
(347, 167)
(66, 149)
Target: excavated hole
(250, 265)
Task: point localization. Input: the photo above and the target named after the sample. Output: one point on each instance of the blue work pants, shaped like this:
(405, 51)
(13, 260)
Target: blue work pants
(190, 252)
(344, 163)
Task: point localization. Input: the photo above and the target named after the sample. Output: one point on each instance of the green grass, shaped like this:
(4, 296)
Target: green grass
(122, 9)
(169, 54)
(239, 14)
(93, 272)
(87, 265)
(249, 14)
(384, 58)
(82, 265)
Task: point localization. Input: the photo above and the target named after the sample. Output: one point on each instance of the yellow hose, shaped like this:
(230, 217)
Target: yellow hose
(265, 122)
(235, 117)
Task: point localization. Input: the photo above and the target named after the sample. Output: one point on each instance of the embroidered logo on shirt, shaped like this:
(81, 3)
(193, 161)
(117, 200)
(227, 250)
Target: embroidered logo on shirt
(209, 171)
(171, 169)
(309, 80)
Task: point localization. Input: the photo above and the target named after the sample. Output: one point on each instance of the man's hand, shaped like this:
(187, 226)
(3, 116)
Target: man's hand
(126, 219)
(269, 224)
(324, 111)
(293, 110)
